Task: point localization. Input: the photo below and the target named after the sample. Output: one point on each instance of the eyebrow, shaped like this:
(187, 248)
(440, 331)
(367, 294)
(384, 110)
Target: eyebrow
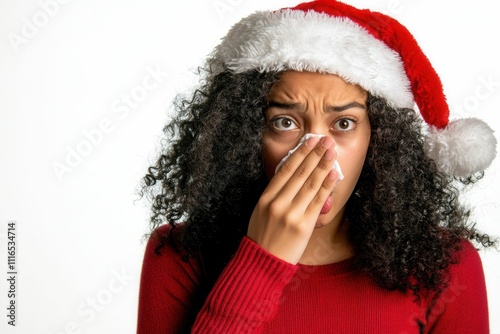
(298, 106)
(347, 106)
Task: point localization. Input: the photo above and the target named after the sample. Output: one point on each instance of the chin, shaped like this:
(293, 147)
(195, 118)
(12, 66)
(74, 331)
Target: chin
(319, 225)
(323, 220)
(334, 213)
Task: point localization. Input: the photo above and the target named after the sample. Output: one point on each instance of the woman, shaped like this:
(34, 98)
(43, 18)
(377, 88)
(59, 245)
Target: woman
(300, 194)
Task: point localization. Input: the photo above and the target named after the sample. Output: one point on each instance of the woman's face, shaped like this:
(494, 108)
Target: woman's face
(306, 102)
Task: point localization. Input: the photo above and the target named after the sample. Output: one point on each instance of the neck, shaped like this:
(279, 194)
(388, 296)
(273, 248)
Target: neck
(328, 244)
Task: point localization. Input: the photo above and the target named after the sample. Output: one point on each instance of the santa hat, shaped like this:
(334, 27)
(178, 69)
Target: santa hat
(366, 48)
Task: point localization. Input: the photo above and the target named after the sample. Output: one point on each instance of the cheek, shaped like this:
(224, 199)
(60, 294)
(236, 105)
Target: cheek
(272, 153)
(351, 157)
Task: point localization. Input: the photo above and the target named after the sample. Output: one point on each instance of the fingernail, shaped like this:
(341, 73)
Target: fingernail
(327, 142)
(311, 142)
(333, 174)
(328, 154)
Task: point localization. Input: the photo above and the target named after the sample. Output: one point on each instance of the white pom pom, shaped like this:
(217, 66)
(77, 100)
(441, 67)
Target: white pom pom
(466, 146)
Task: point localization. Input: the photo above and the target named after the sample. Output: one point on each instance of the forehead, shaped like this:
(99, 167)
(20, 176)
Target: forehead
(296, 85)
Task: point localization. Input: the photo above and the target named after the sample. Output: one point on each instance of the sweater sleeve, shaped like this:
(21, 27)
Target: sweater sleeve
(462, 307)
(247, 294)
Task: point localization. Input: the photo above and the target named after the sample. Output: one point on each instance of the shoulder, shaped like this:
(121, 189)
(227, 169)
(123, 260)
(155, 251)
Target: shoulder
(467, 260)
(164, 242)
(166, 268)
(171, 286)
(463, 303)
(163, 251)
(163, 235)
(466, 271)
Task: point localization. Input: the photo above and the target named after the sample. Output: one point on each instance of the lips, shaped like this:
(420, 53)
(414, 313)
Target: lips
(327, 206)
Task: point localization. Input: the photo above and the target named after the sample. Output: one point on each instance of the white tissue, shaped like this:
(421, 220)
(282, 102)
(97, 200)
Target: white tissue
(335, 165)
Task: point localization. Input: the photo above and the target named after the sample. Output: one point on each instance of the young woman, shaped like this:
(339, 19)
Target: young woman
(303, 193)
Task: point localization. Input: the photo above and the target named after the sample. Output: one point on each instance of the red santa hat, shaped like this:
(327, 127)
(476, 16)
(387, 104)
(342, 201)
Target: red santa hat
(366, 48)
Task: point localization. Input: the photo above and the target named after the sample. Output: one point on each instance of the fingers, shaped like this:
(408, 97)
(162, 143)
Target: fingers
(313, 193)
(319, 199)
(305, 170)
(289, 166)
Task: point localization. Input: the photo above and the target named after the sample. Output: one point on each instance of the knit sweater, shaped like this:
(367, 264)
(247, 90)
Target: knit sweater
(259, 293)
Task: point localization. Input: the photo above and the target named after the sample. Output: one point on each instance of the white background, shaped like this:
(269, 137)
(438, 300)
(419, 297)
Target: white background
(65, 72)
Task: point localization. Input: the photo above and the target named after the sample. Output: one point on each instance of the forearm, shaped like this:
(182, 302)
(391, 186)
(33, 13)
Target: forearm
(247, 294)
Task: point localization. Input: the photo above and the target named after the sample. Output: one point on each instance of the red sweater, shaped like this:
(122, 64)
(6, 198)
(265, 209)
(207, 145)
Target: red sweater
(259, 293)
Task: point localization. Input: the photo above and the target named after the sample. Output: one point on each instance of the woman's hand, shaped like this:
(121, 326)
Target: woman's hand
(285, 216)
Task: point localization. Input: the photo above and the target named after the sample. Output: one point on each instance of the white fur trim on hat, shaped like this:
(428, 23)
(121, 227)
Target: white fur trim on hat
(316, 42)
(466, 146)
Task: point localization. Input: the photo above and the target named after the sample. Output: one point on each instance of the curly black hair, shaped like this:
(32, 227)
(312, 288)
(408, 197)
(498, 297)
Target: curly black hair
(405, 219)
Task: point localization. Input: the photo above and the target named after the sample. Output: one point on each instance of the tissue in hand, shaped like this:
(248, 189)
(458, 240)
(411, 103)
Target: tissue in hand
(335, 165)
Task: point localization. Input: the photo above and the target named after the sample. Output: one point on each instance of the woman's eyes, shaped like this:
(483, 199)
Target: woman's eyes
(288, 124)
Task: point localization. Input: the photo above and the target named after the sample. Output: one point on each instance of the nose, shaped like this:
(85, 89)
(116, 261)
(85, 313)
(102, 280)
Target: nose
(318, 128)
(326, 140)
